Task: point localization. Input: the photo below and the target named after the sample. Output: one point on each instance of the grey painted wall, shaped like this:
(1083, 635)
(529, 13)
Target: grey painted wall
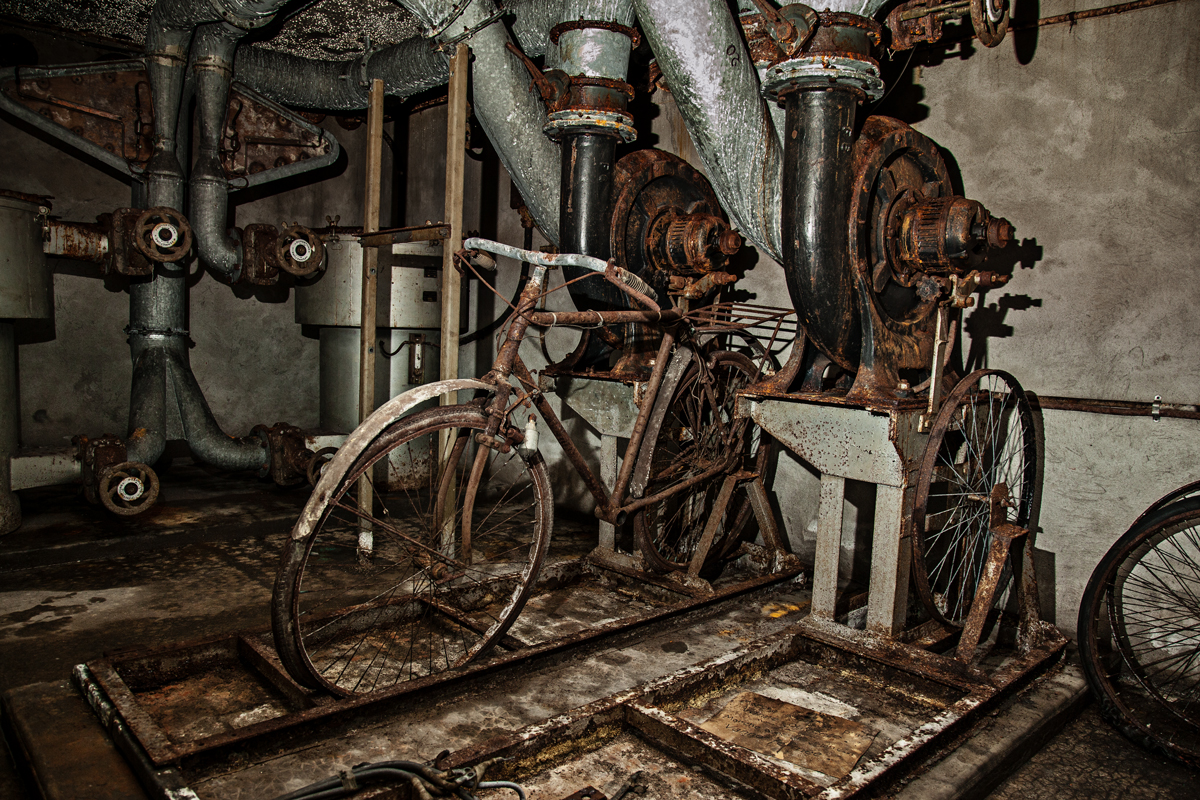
(1087, 137)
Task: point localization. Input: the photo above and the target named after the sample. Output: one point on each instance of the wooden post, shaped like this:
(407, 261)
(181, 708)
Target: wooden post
(370, 279)
(456, 146)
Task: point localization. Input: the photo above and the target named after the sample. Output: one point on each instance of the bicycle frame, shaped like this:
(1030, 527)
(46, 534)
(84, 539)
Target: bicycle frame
(610, 506)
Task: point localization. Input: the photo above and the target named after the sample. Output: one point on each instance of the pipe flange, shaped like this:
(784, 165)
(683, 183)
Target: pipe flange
(635, 38)
(821, 72)
(841, 19)
(610, 123)
(156, 333)
(604, 83)
(241, 20)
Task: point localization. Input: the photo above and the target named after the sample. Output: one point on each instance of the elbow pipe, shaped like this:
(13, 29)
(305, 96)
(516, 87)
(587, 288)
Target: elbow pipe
(204, 436)
(212, 58)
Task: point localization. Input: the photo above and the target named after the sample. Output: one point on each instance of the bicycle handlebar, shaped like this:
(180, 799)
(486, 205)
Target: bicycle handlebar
(534, 257)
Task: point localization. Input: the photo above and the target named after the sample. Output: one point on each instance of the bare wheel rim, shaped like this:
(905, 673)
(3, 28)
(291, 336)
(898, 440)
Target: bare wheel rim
(353, 619)
(693, 436)
(1139, 632)
(982, 436)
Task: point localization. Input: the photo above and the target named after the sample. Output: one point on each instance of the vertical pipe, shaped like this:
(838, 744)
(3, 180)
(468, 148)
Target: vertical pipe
(817, 169)
(366, 355)
(584, 218)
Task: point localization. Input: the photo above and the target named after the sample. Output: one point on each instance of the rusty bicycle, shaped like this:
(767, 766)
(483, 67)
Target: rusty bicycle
(435, 572)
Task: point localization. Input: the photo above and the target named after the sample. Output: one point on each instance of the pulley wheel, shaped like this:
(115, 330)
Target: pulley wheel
(651, 183)
(990, 20)
(128, 488)
(894, 167)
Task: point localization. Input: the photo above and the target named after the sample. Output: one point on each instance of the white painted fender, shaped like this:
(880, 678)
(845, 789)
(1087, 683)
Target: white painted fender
(366, 433)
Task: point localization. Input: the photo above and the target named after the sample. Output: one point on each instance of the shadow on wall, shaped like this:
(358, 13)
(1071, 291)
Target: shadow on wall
(988, 322)
(1024, 29)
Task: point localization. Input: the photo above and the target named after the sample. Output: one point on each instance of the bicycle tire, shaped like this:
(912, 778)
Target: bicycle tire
(685, 436)
(983, 436)
(1139, 632)
(352, 622)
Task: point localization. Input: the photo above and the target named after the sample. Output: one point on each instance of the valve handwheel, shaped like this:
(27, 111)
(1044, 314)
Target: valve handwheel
(162, 234)
(300, 251)
(128, 488)
(990, 20)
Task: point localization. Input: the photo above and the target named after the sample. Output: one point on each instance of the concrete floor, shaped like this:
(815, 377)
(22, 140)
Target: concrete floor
(77, 583)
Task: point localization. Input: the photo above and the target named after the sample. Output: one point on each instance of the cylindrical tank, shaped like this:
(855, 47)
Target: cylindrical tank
(25, 283)
(25, 293)
(408, 324)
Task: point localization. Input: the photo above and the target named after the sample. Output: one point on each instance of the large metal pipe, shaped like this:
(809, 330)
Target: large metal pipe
(511, 115)
(816, 204)
(589, 154)
(701, 51)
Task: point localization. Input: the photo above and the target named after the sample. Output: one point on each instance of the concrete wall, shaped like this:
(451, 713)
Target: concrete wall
(1087, 137)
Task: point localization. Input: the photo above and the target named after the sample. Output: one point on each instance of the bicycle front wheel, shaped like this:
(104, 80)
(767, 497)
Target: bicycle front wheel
(1139, 632)
(430, 576)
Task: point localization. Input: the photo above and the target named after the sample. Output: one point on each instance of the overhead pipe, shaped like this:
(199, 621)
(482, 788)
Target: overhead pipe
(406, 68)
(700, 48)
(510, 115)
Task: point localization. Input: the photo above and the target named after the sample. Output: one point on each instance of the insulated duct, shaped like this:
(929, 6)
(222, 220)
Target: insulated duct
(406, 68)
(511, 115)
(700, 49)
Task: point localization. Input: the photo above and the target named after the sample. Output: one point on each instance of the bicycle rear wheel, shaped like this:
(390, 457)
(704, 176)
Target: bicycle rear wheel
(693, 431)
(983, 437)
(1139, 632)
(438, 576)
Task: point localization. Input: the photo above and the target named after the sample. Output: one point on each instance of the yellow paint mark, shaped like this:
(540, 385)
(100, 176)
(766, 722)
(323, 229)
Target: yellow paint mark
(777, 610)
